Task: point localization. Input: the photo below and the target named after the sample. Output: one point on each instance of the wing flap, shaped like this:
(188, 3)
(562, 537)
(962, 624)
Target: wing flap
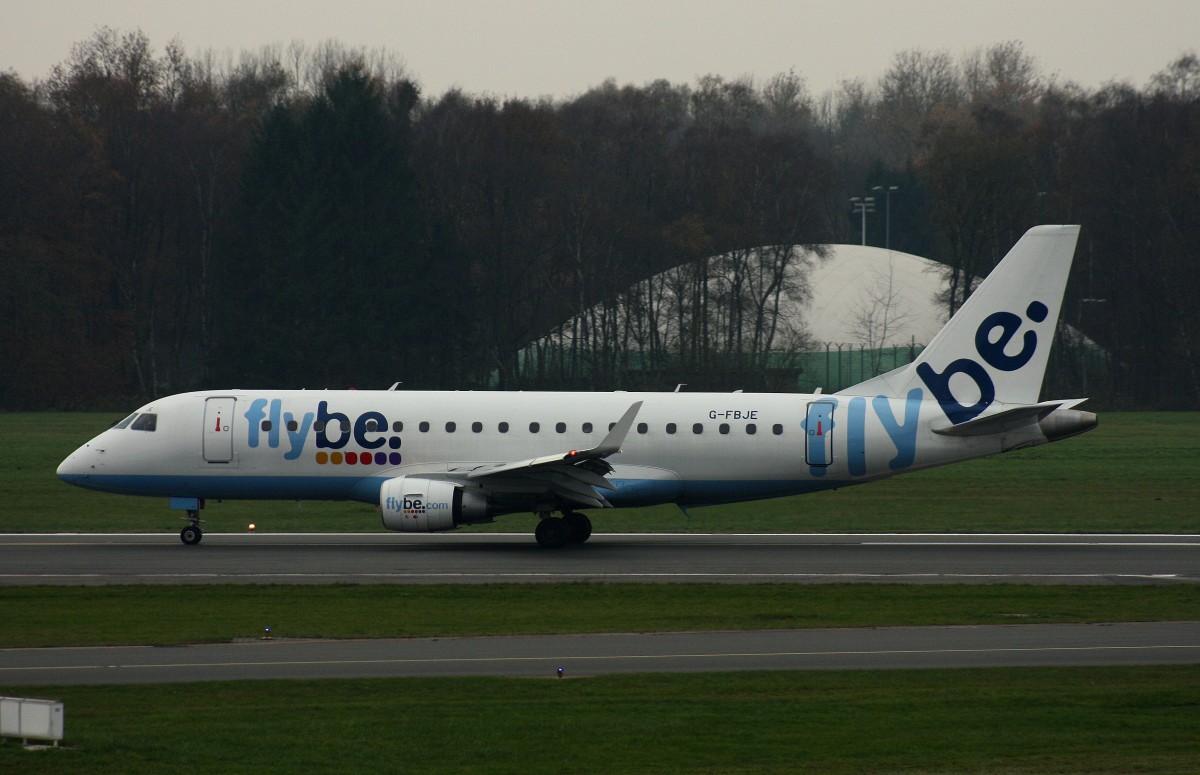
(572, 477)
(609, 446)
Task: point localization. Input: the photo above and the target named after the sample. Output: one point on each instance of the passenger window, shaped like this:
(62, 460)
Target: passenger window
(724, 428)
(643, 427)
(777, 430)
(587, 427)
(397, 426)
(450, 427)
(477, 427)
(145, 422)
(751, 429)
(345, 426)
(266, 425)
(423, 427)
(503, 427)
(125, 423)
(698, 428)
(561, 427)
(372, 426)
(671, 427)
(319, 426)
(612, 425)
(293, 426)
(534, 427)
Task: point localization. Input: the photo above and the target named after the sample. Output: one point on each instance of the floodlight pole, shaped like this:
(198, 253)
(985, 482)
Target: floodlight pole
(864, 206)
(888, 229)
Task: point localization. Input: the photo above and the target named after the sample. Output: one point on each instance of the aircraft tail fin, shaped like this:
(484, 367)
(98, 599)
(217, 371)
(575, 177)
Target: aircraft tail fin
(996, 346)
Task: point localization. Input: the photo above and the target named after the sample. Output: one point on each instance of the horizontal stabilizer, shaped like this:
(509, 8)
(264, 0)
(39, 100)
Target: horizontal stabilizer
(1000, 422)
(1008, 419)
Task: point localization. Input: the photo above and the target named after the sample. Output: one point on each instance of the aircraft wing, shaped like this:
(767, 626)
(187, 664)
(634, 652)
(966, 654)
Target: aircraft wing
(571, 476)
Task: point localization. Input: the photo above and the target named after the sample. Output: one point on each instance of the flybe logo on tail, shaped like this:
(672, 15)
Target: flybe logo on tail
(991, 347)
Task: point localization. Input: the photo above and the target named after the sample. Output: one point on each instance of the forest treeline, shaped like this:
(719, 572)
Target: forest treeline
(307, 217)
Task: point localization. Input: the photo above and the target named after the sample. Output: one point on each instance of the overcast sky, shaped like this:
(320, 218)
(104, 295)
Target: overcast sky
(534, 48)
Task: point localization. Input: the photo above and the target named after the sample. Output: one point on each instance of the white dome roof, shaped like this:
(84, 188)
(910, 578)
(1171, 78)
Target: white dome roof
(854, 282)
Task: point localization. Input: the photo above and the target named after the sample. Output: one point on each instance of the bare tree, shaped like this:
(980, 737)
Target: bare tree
(880, 312)
(1180, 80)
(1004, 77)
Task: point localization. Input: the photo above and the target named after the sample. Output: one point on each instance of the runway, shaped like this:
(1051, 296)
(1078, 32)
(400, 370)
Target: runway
(589, 655)
(472, 558)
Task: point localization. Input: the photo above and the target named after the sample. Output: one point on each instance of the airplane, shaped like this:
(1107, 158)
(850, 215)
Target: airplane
(436, 460)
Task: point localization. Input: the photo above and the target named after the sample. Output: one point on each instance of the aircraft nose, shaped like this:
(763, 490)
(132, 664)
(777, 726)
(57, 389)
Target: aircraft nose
(78, 465)
(69, 468)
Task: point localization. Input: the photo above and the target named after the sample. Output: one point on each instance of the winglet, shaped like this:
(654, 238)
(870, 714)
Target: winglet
(616, 437)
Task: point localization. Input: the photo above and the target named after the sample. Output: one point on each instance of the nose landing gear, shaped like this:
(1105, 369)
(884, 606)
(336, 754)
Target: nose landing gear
(191, 534)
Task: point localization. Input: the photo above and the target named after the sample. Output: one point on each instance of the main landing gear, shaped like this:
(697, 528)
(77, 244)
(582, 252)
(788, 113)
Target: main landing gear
(191, 534)
(571, 528)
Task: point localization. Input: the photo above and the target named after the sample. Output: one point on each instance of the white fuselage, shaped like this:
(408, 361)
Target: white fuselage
(685, 448)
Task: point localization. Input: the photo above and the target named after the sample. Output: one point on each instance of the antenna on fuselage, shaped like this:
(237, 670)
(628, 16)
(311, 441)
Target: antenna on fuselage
(679, 387)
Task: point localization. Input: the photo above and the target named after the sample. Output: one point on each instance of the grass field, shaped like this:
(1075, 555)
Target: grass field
(1043, 720)
(1136, 473)
(154, 615)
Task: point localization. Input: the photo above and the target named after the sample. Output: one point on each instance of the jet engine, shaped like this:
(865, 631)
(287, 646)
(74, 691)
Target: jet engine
(414, 505)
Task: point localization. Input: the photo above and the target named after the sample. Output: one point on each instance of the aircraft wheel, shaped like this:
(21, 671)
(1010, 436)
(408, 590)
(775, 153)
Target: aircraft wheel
(191, 535)
(552, 533)
(580, 527)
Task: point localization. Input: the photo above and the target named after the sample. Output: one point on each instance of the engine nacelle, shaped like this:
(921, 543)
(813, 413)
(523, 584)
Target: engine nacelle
(414, 505)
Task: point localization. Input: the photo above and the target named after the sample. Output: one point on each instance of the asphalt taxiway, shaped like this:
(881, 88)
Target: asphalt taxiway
(385, 558)
(584, 655)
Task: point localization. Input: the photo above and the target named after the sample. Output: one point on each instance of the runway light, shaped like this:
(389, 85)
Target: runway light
(251, 527)
(560, 672)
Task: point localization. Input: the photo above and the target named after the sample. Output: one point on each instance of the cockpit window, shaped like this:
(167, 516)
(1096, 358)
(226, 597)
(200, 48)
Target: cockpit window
(145, 422)
(125, 423)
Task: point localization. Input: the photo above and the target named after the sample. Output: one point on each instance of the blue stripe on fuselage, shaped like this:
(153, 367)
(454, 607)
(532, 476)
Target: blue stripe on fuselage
(232, 487)
(629, 492)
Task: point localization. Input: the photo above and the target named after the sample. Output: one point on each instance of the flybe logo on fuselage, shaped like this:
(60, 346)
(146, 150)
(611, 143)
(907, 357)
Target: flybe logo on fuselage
(268, 424)
(992, 351)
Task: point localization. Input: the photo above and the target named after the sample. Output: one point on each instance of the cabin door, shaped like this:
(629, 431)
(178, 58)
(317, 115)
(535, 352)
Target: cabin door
(218, 429)
(818, 439)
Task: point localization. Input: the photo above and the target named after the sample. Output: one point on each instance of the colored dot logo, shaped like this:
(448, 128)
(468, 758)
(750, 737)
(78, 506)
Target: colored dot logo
(358, 458)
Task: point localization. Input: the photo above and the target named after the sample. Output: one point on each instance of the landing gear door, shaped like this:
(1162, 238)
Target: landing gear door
(818, 444)
(218, 429)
